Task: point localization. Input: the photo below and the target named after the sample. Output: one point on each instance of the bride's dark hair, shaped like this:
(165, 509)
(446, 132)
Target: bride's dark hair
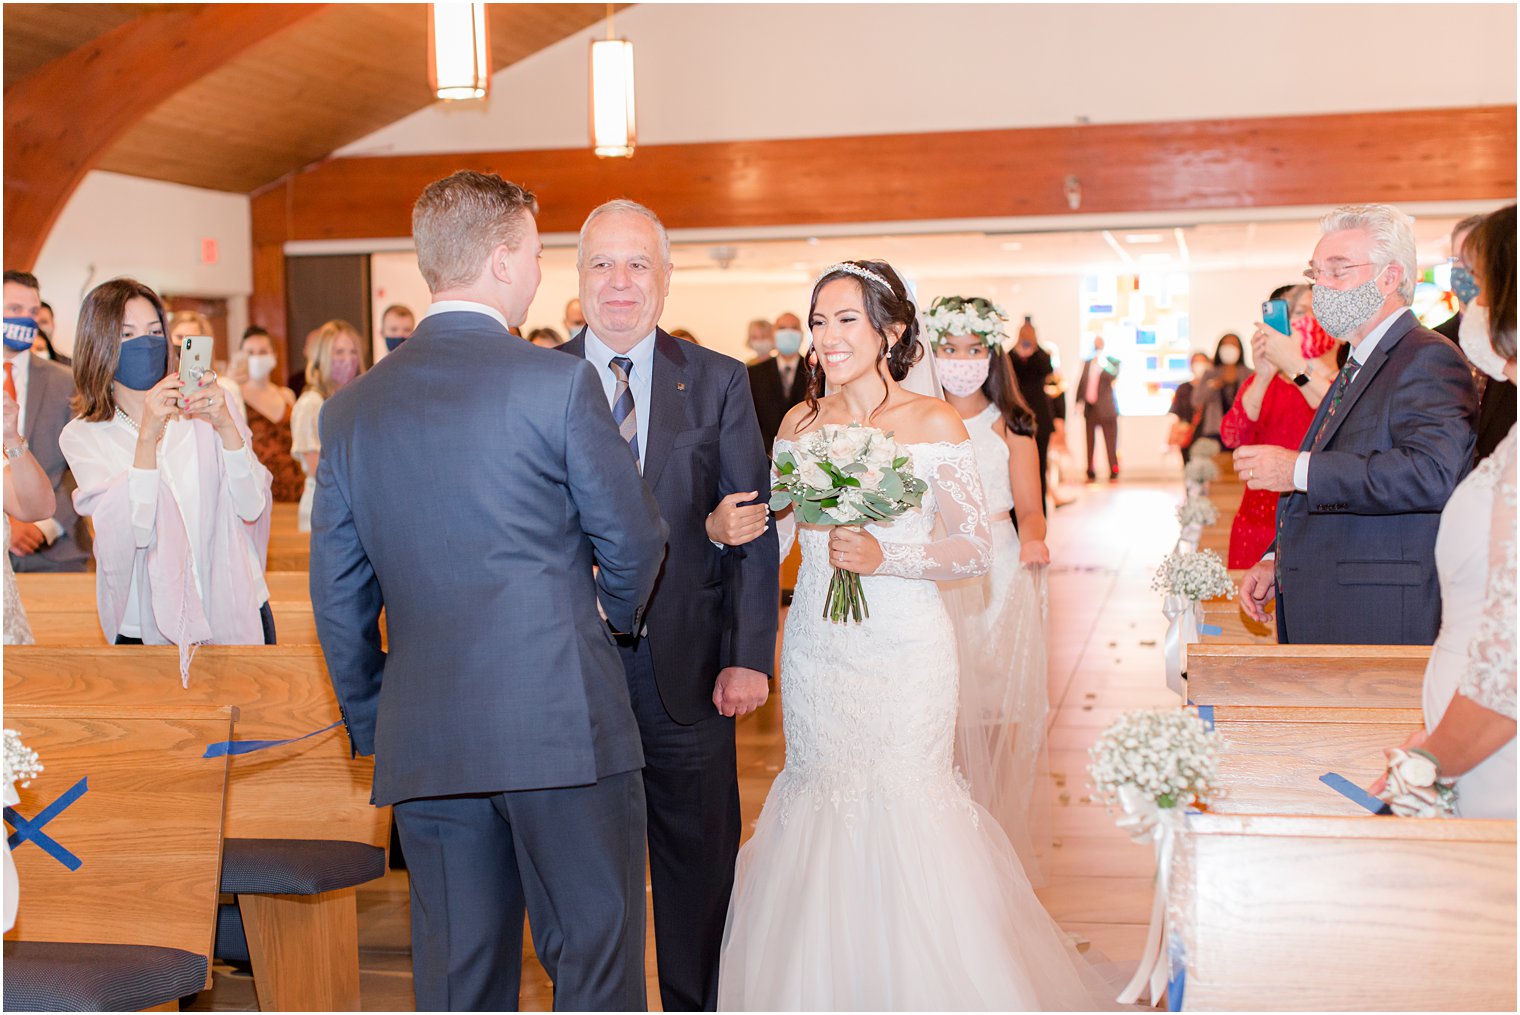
(884, 307)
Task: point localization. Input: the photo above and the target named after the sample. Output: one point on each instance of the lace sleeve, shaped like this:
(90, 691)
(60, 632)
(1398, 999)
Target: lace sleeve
(1490, 676)
(967, 549)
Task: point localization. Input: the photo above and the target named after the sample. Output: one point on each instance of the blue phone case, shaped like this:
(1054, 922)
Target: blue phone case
(1274, 314)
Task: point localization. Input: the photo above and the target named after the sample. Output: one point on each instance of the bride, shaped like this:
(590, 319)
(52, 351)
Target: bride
(872, 880)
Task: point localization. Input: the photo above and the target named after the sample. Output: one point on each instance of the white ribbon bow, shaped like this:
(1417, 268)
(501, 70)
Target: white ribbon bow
(1187, 542)
(1186, 617)
(1143, 820)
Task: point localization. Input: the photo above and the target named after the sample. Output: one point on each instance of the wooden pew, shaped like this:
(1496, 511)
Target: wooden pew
(1274, 757)
(1235, 628)
(1347, 913)
(304, 947)
(145, 830)
(289, 550)
(61, 608)
(1347, 676)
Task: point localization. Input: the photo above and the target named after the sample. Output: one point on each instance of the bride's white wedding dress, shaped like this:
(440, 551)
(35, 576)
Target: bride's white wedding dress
(873, 881)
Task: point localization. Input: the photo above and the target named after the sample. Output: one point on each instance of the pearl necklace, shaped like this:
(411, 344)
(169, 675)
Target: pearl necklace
(133, 425)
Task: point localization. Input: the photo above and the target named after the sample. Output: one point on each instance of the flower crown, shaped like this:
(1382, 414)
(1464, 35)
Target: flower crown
(858, 272)
(962, 315)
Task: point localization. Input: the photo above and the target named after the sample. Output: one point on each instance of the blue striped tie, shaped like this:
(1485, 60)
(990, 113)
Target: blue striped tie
(623, 412)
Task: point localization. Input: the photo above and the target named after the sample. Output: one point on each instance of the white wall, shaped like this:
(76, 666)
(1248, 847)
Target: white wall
(120, 225)
(709, 72)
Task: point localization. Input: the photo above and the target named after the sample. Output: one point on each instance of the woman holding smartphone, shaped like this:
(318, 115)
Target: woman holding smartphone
(1293, 372)
(179, 502)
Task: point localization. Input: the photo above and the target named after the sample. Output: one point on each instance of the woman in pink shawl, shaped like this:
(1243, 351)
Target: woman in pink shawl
(180, 503)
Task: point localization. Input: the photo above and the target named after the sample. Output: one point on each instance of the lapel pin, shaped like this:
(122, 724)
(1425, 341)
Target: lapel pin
(680, 385)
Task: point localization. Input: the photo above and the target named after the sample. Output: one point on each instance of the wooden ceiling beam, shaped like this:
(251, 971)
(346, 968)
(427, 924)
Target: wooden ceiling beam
(1397, 156)
(61, 119)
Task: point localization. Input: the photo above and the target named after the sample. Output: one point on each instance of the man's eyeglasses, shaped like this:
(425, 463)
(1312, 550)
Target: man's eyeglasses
(1333, 272)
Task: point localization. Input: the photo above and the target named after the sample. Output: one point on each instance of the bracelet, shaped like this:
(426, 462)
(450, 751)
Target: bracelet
(1414, 787)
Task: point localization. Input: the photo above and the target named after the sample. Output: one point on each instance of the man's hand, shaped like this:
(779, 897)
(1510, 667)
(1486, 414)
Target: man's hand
(734, 525)
(1266, 467)
(26, 538)
(740, 691)
(1257, 589)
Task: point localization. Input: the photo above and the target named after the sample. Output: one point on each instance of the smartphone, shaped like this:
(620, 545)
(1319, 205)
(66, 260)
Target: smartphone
(194, 363)
(1274, 314)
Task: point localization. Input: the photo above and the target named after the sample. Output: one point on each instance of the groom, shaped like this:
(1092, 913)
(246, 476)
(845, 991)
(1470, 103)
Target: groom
(707, 646)
(467, 484)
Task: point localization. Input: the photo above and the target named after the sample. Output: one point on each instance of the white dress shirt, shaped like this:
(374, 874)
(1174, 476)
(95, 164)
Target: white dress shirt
(454, 306)
(640, 380)
(98, 452)
(1361, 354)
(1094, 374)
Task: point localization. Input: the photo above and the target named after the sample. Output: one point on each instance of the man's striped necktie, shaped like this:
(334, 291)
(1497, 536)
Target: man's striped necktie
(1342, 382)
(624, 413)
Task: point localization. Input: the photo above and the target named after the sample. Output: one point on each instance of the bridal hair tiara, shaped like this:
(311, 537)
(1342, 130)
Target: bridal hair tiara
(858, 272)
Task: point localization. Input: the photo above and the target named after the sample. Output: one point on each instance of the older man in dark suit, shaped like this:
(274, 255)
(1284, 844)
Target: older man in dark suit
(467, 486)
(708, 644)
(44, 390)
(1354, 558)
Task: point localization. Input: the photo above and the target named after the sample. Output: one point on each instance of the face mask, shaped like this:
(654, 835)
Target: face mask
(143, 361)
(20, 333)
(1463, 285)
(1472, 333)
(961, 377)
(1229, 355)
(344, 370)
(1313, 342)
(788, 341)
(393, 342)
(1342, 311)
(260, 366)
(42, 353)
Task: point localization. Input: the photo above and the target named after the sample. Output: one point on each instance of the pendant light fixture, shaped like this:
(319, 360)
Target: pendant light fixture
(613, 134)
(459, 51)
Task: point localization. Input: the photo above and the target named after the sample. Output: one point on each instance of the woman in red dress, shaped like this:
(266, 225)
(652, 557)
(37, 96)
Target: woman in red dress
(1274, 408)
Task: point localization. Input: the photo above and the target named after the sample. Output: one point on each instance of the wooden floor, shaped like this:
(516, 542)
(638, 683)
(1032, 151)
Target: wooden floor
(1105, 631)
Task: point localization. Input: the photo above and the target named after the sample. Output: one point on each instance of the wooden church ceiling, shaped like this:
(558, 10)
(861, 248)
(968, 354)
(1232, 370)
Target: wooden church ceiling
(281, 103)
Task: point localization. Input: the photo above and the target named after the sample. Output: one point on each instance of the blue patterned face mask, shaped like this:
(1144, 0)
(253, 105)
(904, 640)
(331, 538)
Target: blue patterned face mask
(1463, 285)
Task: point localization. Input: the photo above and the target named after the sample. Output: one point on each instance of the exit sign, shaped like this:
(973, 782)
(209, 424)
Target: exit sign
(208, 251)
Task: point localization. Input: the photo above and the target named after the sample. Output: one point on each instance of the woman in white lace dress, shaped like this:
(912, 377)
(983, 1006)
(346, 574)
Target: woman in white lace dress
(29, 497)
(873, 881)
(1470, 680)
(1000, 616)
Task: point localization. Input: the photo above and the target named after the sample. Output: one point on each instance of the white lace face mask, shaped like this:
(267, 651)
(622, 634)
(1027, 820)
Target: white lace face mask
(962, 377)
(1472, 333)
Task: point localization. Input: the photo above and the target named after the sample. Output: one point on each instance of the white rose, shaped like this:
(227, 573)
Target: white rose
(811, 475)
(1418, 770)
(870, 479)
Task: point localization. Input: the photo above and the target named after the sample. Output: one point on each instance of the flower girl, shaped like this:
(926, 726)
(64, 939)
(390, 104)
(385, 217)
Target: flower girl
(1000, 616)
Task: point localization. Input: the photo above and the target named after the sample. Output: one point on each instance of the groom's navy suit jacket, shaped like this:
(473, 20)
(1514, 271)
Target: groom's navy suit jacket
(467, 484)
(712, 607)
(1356, 553)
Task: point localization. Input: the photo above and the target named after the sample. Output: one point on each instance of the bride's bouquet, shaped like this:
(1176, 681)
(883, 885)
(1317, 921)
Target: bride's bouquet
(846, 475)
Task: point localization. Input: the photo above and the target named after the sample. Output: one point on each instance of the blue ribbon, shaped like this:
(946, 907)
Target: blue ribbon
(1177, 985)
(1346, 788)
(32, 830)
(1213, 629)
(1206, 713)
(234, 747)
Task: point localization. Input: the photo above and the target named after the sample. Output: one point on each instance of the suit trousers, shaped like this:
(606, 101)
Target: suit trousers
(691, 784)
(573, 856)
(1110, 442)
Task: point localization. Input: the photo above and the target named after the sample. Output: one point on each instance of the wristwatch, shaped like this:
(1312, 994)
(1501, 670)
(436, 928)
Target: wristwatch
(14, 452)
(1302, 377)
